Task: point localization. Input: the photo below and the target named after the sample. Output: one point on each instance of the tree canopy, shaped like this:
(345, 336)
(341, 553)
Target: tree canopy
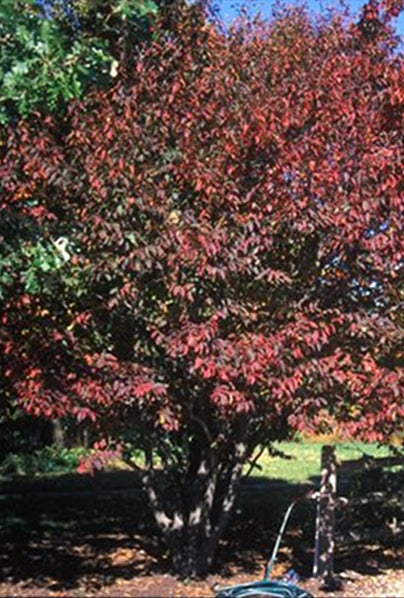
(53, 51)
(215, 254)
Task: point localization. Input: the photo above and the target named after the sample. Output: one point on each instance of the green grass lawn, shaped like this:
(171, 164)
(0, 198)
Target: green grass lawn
(302, 464)
(304, 461)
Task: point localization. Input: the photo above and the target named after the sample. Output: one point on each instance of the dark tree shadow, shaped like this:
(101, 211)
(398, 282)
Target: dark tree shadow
(91, 537)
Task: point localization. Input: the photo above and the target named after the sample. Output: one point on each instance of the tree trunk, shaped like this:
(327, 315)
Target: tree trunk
(193, 530)
(58, 434)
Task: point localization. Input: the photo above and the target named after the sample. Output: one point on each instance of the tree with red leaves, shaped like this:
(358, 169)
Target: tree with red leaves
(214, 255)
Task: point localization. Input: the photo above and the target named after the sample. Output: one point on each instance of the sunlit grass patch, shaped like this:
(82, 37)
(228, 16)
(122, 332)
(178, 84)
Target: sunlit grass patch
(301, 460)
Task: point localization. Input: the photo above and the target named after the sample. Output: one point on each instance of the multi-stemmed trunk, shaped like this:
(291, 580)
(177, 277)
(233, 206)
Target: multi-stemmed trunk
(193, 524)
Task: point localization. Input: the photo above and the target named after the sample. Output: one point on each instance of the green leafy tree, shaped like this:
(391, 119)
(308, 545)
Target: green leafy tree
(50, 55)
(41, 68)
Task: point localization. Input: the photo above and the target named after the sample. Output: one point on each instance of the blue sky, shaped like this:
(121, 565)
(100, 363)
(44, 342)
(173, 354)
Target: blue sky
(228, 8)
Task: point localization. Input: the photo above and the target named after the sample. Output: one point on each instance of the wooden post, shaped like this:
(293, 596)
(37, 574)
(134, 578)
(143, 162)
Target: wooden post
(325, 520)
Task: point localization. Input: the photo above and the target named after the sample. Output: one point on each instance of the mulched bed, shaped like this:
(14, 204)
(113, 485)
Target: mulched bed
(115, 566)
(107, 547)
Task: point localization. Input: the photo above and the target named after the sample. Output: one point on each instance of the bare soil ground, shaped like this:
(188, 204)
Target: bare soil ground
(114, 564)
(107, 547)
